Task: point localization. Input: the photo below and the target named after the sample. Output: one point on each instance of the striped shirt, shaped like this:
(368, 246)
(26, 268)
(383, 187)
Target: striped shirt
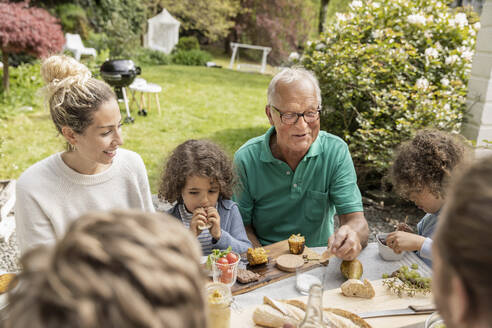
(205, 238)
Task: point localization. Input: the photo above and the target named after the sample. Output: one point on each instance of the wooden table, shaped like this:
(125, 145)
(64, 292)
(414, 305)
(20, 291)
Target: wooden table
(374, 267)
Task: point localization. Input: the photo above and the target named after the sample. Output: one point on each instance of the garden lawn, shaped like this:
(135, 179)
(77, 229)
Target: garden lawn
(222, 105)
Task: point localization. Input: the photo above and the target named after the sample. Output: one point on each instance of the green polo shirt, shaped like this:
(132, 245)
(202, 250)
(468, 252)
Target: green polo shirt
(278, 202)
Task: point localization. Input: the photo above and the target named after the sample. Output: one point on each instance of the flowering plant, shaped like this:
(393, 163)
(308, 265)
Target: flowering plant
(389, 67)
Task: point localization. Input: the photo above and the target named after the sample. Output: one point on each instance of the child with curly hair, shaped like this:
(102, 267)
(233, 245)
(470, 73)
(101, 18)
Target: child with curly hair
(420, 173)
(200, 178)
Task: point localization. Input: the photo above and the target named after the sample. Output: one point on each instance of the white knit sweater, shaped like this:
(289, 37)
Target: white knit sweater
(50, 195)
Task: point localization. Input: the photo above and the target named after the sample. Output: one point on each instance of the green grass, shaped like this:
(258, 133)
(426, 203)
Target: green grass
(222, 105)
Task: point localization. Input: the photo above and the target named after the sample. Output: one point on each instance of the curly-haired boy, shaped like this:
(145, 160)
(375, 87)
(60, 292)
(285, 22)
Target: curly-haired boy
(420, 173)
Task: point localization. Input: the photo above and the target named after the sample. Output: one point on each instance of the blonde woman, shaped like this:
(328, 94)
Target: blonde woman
(94, 173)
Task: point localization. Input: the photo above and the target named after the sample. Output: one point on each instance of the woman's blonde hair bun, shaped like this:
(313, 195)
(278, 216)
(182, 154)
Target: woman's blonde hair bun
(71, 93)
(59, 67)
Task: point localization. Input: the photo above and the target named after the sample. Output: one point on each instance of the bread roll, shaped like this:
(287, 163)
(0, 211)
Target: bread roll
(357, 288)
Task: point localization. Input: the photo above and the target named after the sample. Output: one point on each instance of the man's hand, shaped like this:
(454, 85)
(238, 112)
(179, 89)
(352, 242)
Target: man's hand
(403, 241)
(199, 214)
(214, 218)
(347, 242)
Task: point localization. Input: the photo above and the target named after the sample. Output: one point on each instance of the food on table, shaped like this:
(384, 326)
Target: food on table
(287, 309)
(296, 244)
(382, 239)
(6, 282)
(407, 281)
(325, 257)
(266, 316)
(219, 305)
(352, 269)
(439, 325)
(404, 227)
(357, 288)
(246, 276)
(289, 262)
(257, 256)
(277, 313)
(215, 255)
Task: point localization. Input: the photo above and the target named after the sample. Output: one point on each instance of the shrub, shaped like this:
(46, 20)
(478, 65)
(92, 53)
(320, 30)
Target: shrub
(147, 56)
(122, 21)
(25, 81)
(389, 67)
(73, 19)
(191, 57)
(187, 43)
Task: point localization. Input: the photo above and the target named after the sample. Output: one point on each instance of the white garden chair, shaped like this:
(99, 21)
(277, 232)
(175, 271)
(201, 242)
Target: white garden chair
(75, 45)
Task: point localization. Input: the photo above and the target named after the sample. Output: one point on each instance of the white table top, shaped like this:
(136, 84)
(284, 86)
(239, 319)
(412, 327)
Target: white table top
(374, 267)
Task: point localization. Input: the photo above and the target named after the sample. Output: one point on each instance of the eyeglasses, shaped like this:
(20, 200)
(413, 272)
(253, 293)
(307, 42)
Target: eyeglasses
(291, 118)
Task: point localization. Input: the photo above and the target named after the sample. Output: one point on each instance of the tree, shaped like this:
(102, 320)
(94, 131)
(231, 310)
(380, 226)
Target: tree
(25, 29)
(211, 18)
(323, 9)
(388, 68)
(284, 25)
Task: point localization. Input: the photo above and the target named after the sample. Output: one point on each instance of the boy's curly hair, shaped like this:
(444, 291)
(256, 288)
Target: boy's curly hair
(200, 158)
(427, 161)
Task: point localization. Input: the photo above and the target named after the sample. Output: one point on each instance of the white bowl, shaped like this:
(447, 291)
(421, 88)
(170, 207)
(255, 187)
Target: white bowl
(386, 252)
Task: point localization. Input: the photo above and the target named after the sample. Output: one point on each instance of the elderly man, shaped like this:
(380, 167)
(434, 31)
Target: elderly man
(294, 177)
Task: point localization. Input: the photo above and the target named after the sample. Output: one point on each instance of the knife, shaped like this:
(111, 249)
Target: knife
(412, 309)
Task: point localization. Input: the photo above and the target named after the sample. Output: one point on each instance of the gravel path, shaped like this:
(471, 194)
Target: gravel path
(380, 219)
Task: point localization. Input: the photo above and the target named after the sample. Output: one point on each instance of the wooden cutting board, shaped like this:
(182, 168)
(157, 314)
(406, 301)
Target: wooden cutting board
(269, 272)
(384, 300)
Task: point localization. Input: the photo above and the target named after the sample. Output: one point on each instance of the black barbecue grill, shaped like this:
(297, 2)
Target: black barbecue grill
(120, 73)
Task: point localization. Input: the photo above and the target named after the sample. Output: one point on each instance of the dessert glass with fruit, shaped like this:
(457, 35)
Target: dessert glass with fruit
(224, 269)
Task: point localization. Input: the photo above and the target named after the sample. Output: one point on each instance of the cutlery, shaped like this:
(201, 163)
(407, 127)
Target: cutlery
(410, 310)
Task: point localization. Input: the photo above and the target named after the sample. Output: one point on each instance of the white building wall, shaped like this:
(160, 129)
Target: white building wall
(479, 128)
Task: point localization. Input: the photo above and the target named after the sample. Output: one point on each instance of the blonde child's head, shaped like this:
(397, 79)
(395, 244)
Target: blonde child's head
(113, 269)
(197, 158)
(425, 163)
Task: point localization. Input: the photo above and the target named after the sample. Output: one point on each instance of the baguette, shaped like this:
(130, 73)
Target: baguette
(286, 309)
(355, 320)
(266, 316)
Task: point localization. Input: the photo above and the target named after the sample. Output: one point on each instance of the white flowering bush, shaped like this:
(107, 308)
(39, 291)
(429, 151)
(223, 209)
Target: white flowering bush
(389, 67)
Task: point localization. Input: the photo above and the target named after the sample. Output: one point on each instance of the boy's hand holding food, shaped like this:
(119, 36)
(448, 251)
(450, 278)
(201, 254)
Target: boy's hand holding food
(214, 219)
(199, 221)
(401, 241)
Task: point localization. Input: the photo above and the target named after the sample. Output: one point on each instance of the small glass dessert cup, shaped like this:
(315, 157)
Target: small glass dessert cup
(225, 273)
(219, 299)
